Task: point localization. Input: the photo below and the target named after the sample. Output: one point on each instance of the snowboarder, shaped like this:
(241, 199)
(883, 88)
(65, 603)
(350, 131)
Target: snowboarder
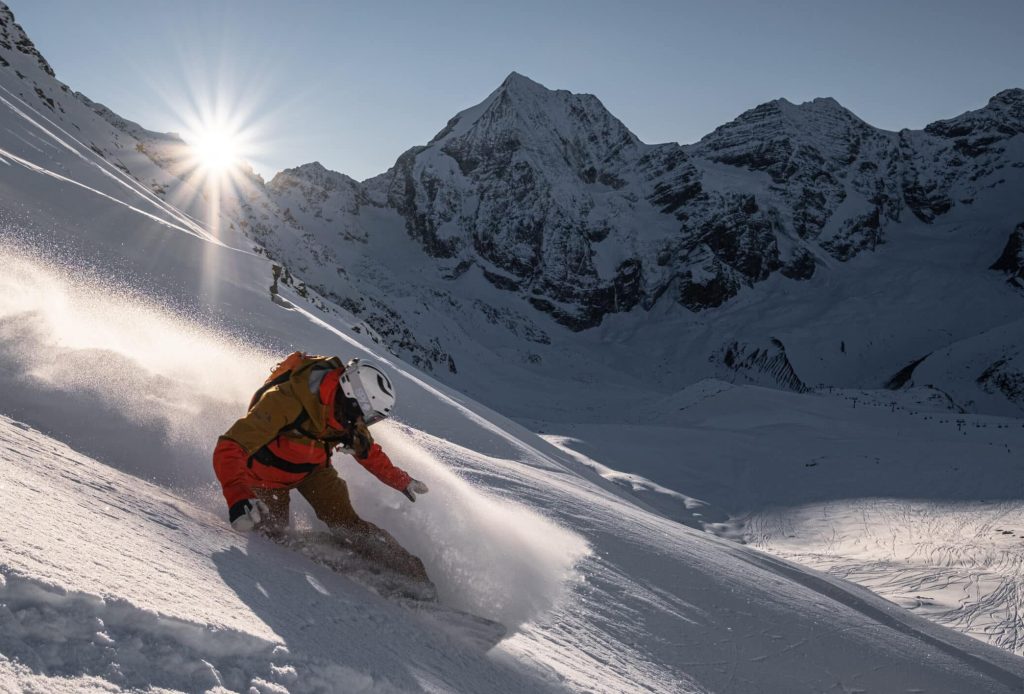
(309, 406)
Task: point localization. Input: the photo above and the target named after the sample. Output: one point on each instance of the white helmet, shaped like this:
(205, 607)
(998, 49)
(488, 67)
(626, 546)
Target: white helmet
(370, 388)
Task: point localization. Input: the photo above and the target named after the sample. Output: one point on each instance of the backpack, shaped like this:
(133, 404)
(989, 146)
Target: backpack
(279, 375)
(283, 371)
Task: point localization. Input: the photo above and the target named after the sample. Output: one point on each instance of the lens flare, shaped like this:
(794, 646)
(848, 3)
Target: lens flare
(217, 150)
(224, 115)
(212, 160)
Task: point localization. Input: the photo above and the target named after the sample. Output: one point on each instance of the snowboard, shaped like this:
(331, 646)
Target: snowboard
(391, 580)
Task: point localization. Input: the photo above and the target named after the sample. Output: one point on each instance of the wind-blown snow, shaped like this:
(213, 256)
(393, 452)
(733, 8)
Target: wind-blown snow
(108, 582)
(168, 378)
(487, 554)
(148, 375)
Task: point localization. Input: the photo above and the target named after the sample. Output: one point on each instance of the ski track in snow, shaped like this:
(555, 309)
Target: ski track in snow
(190, 227)
(837, 481)
(961, 565)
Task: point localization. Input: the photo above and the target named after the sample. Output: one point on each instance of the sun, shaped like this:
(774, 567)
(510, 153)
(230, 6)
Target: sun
(217, 151)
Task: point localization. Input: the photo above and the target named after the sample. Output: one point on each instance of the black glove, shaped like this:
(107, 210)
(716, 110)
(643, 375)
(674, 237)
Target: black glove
(247, 514)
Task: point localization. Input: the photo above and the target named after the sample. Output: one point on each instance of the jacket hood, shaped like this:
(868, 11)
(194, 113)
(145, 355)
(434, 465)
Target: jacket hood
(314, 385)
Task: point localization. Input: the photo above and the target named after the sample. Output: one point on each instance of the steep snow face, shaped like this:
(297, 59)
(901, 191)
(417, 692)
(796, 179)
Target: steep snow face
(311, 192)
(975, 132)
(818, 155)
(549, 125)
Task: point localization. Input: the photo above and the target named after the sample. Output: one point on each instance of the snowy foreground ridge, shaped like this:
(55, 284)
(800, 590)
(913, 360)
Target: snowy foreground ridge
(135, 324)
(109, 583)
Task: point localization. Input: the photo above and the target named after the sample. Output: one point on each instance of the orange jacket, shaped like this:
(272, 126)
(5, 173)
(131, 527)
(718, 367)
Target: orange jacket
(288, 433)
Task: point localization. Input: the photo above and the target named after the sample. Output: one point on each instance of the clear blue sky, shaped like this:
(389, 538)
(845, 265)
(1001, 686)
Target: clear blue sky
(355, 84)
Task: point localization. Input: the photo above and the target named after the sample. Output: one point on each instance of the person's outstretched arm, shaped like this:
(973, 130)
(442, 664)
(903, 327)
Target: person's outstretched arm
(378, 463)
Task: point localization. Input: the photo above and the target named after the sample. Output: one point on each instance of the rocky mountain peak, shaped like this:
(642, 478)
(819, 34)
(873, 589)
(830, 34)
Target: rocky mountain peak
(315, 174)
(14, 40)
(821, 104)
(783, 119)
(1010, 97)
(557, 131)
(772, 137)
(516, 82)
(975, 131)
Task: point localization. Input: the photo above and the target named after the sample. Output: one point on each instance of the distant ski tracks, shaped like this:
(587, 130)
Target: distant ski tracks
(958, 564)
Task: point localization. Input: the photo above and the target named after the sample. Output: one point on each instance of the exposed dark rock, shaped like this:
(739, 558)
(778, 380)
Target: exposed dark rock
(800, 267)
(709, 291)
(459, 270)
(903, 376)
(573, 321)
(670, 198)
(501, 281)
(1011, 261)
(857, 234)
(516, 324)
(743, 239)
(47, 101)
(770, 361)
(13, 37)
(1002, 378)
(926, 201)
(976, 131)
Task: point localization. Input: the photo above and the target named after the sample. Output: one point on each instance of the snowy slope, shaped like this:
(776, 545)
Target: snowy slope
(108, 577)
(893, 490)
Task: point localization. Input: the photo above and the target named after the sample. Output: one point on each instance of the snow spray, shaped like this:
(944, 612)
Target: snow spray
(116, 375)
(487, 554)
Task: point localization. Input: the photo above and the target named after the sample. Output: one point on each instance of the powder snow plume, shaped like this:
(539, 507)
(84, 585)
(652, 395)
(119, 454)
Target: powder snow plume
(488, 555)
(116, 375)
(148, 391)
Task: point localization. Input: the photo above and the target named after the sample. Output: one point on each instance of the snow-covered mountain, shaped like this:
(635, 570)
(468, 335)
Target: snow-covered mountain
(137, 314)
(537, 211)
